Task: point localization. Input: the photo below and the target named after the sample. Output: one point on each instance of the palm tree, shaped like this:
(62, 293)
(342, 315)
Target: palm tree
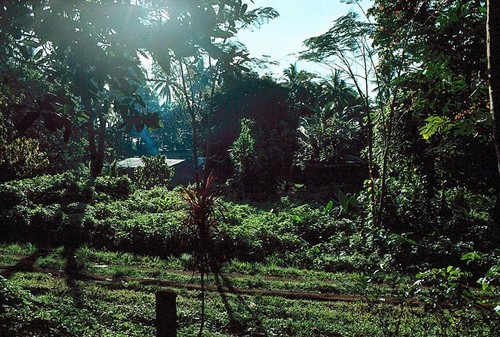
(334, 127)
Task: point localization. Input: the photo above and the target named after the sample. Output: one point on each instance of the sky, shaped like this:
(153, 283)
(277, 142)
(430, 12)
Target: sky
(299, 20)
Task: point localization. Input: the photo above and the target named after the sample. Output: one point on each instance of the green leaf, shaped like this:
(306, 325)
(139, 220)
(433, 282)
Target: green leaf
(329, 206)
(243, 9)
(219, 33)
(342, 198)
(139, 100)
(471, 256)
(435, 124)
(38, 54)
(25, 52)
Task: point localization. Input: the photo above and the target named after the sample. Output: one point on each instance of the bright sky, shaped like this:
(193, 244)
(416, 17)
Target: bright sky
(298, 21)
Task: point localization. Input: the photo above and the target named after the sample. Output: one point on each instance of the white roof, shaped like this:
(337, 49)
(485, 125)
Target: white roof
(137, 162)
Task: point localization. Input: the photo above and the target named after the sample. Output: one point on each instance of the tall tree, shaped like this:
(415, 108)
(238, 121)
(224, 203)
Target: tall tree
(93, 49)
(84, 50)
(431, 123)
(191, 74)
(442, 156)
(493, 51)
(346, 46)
(330, 117)
(273, 128)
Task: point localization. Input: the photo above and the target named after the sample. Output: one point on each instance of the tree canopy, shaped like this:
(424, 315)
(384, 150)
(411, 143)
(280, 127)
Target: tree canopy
(78, 63)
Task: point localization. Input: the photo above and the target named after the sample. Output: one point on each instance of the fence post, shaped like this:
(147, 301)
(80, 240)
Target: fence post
(166, 314)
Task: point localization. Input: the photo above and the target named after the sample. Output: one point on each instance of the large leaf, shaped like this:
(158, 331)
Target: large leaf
(433, 125)
(54, 121)
(151, 121)
(27, 121)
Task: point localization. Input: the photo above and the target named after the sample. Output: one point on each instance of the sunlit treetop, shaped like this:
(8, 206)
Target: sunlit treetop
(89, 47)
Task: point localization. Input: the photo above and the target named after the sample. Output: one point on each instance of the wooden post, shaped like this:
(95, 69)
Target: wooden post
(166, 314)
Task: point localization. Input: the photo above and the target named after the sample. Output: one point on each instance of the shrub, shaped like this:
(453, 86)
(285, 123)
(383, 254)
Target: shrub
(148, 222)
(15, 223)
(20, 157)
(11, 194)
(155, 172)
(117, 187)
(50, 189)
(13, 299)
(50, 208)
(243, 158)
(110, 213)
(457, 307)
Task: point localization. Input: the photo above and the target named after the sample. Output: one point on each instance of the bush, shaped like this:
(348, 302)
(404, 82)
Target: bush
(148, 222)
(15, 223)
(49, 209)
(243, 158)
(298, 236)
(114, 215)
(446, 294)
(251, 234)
(11, 194)
(13, 299)
(115, 187)
(155, 172)
(46, 189)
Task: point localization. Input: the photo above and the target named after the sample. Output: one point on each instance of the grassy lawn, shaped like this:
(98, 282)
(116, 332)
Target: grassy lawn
(112, 294)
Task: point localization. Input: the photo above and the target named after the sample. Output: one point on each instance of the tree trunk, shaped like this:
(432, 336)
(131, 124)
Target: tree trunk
(194, 126)
(493, 53)
(101, 145)
(96, 139)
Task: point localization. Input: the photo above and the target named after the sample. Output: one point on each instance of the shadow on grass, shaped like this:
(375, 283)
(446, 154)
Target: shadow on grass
(71, 272)
(27, 263)
(71, 268)
(237, 325)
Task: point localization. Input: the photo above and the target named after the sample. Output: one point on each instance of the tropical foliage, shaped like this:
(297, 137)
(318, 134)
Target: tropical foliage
(155, 172)
(376, 185)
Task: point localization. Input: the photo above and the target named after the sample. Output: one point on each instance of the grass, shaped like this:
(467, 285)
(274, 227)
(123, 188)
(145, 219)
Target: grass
(83, 308)
(127, 309)
(241, 275)
(55, 304)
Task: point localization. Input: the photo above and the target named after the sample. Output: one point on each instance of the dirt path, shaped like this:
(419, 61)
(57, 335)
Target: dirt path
(6, 271)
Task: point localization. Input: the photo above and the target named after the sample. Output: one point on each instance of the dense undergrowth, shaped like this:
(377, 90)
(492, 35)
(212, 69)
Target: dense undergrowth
(112, 213)
(289, 230)
(143, 234)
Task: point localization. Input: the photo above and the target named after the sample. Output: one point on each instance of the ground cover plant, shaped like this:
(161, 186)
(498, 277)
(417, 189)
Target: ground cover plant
(119, 300)
(132, 242)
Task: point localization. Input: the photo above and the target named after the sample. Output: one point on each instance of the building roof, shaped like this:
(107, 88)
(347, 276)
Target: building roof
(137, 162)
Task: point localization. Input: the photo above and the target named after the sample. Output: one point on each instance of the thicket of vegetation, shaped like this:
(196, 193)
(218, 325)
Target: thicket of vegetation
(387, 171)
